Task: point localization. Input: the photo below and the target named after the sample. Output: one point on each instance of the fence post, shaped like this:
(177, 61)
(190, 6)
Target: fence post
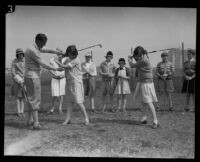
(182, 54)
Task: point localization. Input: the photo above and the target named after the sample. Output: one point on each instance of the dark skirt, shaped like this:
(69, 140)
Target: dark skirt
(16, 90)
(189, 86)
(89, 86)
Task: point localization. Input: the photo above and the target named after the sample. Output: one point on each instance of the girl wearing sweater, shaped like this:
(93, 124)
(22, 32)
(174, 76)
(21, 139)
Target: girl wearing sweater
(145, 87)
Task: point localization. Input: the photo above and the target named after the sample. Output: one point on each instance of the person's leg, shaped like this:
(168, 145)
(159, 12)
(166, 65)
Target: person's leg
(153, 112)
(82, 107)
(18, 107)
(169, 97)
(35, 118)
(193, 99)
(92, 102)
(29, 116)
(124, 102)
(118, 102)
(22, 107)
(68, 113)
(53, 104)
(60, 104)
(104, 93)
(187, 102)
(144, 113)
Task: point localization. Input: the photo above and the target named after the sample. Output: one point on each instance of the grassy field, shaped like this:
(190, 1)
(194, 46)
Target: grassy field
(108, 135)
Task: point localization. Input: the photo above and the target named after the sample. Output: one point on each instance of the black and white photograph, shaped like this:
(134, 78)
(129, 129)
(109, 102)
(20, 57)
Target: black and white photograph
(100, 81)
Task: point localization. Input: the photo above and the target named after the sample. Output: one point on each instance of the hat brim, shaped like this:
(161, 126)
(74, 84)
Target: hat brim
(20, 53)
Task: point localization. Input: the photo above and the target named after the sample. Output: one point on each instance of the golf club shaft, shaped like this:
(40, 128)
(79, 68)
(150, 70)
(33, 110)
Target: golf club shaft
(90, 47)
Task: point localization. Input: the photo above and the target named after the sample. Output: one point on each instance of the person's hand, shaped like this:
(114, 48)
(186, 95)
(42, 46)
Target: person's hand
(130, 58)
(59, 69)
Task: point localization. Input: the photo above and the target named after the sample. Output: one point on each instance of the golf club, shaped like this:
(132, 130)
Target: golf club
(90, 47)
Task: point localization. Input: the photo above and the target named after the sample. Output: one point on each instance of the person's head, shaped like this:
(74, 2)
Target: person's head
(138, 53)
(19, 54)
(191, 53)
(122, 62)
(109, 56)
(164, 56)
(40, 40)
(88, 57)
(71, 52)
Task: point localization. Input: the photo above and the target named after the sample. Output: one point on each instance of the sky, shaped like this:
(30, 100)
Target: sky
(116, 28)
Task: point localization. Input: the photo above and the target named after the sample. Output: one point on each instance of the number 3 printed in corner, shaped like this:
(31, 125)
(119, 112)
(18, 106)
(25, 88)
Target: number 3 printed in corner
(10, 8)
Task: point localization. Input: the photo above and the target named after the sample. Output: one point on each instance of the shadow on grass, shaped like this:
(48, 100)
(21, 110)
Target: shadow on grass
(118, 121)
(17, 125)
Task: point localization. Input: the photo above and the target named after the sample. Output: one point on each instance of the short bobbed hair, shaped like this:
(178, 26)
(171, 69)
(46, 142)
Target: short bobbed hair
(139, 51)
(71, 50)
(41, 37)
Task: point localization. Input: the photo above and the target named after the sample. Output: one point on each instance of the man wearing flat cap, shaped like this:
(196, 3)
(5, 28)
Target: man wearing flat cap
(165, 72)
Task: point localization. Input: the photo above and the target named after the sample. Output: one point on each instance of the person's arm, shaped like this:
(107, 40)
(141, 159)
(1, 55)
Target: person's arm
(157, 70)
(13, 69)
(93, 71)
(127, 77)
(172, 70)
(44, 64)
(84, 70)
(101, 71)
(53, 73)
(44, 50)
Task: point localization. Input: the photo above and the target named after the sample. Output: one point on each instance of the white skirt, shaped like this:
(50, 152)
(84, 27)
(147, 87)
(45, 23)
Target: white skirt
(145, 92)
(122, 87)
(58, 87)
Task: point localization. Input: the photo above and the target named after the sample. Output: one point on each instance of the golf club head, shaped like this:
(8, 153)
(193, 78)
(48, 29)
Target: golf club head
(100, 45)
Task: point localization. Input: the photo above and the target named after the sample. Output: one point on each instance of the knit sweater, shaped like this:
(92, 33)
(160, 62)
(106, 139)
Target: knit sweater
(145, 70)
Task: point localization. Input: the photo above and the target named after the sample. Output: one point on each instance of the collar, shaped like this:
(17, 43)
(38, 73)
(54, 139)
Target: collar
(36, 47)
(123, 68)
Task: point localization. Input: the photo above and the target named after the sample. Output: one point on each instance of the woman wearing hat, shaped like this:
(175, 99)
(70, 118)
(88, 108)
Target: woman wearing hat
(17, 70)
(165, 72)
(122, 75)
(189, 78)
(107, 71)
(89, 72)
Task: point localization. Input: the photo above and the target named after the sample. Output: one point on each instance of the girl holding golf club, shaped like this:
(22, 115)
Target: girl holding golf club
(189, 78)
(145, 87)
(17, 70)
(89, 72)
(122, 75)
(74, 87)
(165, 72)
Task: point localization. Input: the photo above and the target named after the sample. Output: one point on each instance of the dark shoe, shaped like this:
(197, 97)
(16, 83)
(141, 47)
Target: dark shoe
(50, 111)
(171, 109)
(68, 122)
(19, 115)
(187, 109)
(23, 115)
(154, 126)
(157, 109)
(29, 124)
(60, 112)
(144, 122)
(39, 127)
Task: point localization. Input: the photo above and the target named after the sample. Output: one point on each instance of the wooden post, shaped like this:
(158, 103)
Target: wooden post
(183, 54)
